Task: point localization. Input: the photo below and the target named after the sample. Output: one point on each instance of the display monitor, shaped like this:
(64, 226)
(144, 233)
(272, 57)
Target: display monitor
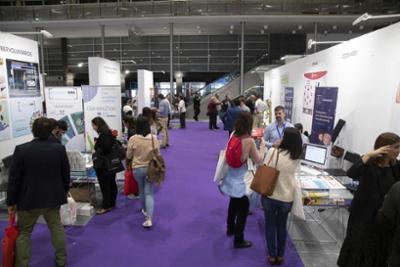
(315, 154)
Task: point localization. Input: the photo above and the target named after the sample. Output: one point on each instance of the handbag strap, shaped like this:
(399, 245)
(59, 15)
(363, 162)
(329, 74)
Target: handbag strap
(277, 157)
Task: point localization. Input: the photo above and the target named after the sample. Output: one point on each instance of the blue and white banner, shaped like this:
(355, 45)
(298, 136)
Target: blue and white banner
(65, 103)
(101, 101)
(289, 92)
(324, 115)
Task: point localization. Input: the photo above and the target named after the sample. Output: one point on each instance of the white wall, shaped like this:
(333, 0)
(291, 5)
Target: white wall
(21, 49)
(367, 72)
(145, 82)
(104, 72)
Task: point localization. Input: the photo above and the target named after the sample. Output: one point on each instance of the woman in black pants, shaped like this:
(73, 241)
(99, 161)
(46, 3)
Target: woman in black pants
(105, 178)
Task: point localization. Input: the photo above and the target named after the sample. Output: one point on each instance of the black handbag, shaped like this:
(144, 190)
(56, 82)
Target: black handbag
(111, 162)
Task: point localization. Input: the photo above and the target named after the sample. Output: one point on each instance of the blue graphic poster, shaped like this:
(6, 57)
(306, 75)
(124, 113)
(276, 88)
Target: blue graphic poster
(324, 115)
(289, 103)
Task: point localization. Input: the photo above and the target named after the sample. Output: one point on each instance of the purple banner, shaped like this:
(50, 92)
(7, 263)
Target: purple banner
(289, 103)
(323, 115)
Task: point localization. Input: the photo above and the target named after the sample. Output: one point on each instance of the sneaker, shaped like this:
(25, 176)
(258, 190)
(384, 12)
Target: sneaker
(147, 223)
(132, 196)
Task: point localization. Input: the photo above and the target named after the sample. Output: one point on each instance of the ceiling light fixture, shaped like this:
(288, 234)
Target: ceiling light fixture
(366, 16)
(43, 32)
(334, 27)
(293, 31)
(311, 43)
(232, 27)
(265, 27)
(80, 65)
(300, 27)
(133, 61)
(230, 31)
(262, 32)
(127, 71)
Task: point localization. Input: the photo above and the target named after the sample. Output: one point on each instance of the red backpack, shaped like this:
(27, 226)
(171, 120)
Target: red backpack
(233, 152)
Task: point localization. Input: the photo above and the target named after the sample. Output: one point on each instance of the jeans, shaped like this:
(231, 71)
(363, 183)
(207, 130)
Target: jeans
(276, 213)
(109, 190)
(182, 118)
(237, 216)
(145, 190)
(26, 221)
(212, 123)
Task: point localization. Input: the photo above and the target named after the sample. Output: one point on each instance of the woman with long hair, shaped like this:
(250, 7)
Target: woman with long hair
(234, 184)
(130, 125)
(106, 179)
(278, 205)
(365, 244)
(139, 155)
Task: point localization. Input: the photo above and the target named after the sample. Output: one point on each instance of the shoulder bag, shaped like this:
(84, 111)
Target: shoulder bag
(156, 171)
(266, 177)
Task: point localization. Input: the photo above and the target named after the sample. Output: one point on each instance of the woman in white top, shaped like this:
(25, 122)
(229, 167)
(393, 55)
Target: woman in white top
(139, 155)
(278, 205)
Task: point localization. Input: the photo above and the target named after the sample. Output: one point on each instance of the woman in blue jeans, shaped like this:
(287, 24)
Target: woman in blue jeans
(139, 155)
(278, 205)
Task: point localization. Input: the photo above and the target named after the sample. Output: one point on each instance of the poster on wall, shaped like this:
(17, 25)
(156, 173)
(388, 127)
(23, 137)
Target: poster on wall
(101, 101)
(23, 112)
(3, 84)
(65, 103)
(324, 115)
(23, 78)
(289, 93)
(311, 81)
(5, 130)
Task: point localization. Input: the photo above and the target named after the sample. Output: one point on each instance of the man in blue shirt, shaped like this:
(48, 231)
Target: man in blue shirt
(274, 132)
(231, 115)
(163, 112)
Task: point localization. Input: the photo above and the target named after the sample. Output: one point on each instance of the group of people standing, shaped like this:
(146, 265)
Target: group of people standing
(373, 231)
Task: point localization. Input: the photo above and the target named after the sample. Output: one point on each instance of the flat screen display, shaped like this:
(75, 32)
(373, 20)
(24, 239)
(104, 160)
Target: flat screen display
(315, 154)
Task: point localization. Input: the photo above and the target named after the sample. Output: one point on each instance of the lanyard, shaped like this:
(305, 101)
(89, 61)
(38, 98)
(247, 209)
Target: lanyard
(277, 129)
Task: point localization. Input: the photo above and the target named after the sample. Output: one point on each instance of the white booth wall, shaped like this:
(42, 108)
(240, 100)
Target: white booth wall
(367, 72)
(20, 110)
(145, 85)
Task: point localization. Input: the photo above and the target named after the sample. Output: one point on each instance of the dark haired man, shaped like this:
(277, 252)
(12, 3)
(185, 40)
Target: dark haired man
(38, 185)
(274, 132)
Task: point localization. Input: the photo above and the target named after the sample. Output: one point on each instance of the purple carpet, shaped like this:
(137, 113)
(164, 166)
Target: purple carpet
(189, 219)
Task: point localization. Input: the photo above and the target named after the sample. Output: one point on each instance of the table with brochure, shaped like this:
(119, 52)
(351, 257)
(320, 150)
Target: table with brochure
(324, 197)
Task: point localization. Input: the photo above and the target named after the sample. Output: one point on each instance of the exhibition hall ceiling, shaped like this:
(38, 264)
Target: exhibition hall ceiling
(211, 25)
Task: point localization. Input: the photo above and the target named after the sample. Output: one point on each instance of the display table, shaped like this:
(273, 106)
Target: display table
(325, 198)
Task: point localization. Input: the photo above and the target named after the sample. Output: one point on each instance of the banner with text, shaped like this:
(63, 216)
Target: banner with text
(324, 115)
(289, 93)
(65, 103)
(104, 102)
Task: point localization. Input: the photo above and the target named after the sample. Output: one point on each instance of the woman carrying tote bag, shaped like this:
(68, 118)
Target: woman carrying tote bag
(278, 205)
(234, 184)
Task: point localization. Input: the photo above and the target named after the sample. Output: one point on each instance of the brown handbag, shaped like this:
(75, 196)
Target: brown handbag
(266, 177)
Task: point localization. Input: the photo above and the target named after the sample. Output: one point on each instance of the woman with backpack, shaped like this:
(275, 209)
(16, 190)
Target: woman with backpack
(278, 205)
(139, 156)
(241, 146)
(102, 147)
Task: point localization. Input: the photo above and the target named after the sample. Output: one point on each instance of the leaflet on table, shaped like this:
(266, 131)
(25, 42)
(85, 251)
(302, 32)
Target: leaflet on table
(319, 182)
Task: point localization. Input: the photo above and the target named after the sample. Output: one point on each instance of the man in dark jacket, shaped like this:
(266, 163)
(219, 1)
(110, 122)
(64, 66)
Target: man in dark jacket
(389, 216)
(196, 106)
(38, 185)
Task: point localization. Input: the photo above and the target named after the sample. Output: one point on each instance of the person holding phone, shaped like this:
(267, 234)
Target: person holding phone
(365, 244)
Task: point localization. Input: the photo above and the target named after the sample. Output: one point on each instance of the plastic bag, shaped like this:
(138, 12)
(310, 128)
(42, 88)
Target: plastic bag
(297, 207)
(8, 242)
(222, 168)
(68, 211)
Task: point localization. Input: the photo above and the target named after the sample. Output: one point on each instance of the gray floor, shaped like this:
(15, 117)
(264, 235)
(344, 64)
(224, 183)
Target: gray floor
(319, 238)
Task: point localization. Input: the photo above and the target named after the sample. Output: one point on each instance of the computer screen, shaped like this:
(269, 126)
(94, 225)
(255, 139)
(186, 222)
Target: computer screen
(315, 154)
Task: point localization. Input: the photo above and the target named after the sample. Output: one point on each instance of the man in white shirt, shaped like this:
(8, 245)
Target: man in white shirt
(182, 112)
(260, 108)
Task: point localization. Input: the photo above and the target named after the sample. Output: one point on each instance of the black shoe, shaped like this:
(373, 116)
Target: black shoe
(229, 232)
(216, 128)
(244, 244)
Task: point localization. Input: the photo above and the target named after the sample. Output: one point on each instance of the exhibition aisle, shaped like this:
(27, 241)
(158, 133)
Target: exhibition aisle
(189, 219)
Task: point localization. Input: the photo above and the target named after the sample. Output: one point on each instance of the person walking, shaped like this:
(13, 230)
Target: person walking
(163, 112)
(277, 206)
(38, 185)
(139, 154)
(212, 113)
(182, 112)
(196, 106)
(106, 179)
